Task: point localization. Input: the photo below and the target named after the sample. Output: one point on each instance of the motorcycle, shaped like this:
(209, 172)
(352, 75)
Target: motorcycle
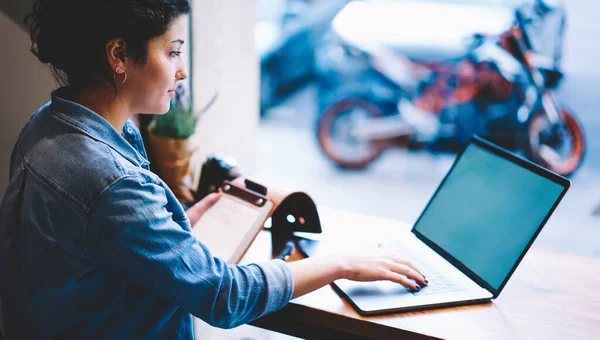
(485, 78)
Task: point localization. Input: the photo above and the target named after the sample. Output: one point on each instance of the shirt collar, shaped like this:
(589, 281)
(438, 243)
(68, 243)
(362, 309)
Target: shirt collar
(95, 126)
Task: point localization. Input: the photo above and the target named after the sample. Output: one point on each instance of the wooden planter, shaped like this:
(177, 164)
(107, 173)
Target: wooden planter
(172, 161)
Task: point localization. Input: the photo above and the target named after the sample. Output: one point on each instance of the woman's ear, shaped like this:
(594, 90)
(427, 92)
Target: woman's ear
(116, 54)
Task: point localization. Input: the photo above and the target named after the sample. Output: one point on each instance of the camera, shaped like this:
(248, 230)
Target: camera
(214, 171)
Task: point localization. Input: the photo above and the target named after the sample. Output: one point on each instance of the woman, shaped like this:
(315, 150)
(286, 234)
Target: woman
(92, 243)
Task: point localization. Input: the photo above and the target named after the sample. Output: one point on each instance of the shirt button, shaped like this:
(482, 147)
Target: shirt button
(130, 130)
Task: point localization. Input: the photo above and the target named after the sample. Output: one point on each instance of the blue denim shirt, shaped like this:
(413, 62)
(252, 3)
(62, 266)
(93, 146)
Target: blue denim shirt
(93, 244)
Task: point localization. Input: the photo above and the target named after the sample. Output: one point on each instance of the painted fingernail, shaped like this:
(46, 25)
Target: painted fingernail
(417, 287)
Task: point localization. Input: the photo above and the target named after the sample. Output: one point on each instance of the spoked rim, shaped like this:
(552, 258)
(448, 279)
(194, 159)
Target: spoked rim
(336, 137)
(562, 150)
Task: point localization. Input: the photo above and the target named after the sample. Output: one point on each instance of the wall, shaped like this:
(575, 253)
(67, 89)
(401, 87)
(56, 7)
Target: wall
(26, 85)
(225, 61)
(16, 10)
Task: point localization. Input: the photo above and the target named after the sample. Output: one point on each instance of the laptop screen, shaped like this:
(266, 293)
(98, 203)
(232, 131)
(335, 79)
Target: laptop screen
(487, 211)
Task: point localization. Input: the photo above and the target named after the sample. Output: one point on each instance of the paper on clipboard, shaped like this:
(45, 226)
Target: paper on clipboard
(231, 224)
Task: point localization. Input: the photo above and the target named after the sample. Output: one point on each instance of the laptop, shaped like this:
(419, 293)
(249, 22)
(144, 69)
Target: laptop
(470, 237)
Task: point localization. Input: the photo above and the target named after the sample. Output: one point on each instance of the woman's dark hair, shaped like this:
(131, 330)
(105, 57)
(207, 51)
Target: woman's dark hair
(71, 35)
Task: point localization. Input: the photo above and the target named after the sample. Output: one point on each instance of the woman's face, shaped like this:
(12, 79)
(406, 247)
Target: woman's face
(150, 88)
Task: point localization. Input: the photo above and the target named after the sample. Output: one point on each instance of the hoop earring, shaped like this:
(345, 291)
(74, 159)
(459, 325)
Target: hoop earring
(115, 77)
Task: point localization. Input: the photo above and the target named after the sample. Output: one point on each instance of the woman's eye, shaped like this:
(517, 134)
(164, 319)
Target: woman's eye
(175, 53)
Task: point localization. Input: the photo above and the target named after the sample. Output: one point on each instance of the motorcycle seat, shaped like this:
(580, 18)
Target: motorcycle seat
(432, 54)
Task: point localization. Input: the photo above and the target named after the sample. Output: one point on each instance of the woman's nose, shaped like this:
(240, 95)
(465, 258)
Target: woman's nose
(182, 74)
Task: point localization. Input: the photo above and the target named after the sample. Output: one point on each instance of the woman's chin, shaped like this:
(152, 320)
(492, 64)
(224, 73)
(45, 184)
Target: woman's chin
(158, 109)
(164, 110)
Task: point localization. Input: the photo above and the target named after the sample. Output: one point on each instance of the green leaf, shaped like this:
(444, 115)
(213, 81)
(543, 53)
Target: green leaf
(179, 122)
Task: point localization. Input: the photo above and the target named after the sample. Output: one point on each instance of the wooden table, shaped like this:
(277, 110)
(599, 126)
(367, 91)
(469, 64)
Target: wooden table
(551, 295)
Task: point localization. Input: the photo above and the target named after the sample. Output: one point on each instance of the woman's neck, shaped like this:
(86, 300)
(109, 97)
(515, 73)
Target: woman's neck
(106, 103)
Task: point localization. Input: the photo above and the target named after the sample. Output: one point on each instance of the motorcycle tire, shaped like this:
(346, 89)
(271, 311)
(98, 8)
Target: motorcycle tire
(572, 135)
(334, 143)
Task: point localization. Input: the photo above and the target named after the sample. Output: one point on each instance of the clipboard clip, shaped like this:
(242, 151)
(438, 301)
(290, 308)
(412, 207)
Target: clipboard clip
(247, 195)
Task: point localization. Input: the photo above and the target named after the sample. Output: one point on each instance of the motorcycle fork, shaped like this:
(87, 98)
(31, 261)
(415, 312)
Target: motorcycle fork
(550, 107)
(547, 99)
(551, 110)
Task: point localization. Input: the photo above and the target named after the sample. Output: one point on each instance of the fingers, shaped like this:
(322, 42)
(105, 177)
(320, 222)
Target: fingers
(405, 267)
(403, 280)
(406, 263)
(385, 267)
(412, 267)
(197, 210)
(211, 199)
(205, 203)
(408, 272)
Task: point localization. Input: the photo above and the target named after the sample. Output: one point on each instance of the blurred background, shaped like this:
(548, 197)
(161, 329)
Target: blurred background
(438, 70)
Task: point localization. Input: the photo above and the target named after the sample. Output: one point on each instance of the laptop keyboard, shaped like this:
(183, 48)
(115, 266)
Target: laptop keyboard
(438, 283)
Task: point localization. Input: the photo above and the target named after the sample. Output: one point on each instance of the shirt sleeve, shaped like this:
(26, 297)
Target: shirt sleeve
(131, 232)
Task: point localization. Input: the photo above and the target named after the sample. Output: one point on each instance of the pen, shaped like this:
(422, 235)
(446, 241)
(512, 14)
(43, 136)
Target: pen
(287, 251)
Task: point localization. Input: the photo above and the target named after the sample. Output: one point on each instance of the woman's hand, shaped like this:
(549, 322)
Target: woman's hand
(314, 273)
(197, 210)
(385, 266)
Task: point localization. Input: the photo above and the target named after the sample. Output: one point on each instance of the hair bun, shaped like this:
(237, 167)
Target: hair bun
(51, 32)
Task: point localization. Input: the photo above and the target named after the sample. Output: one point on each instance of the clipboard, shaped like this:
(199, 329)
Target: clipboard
(230, 226)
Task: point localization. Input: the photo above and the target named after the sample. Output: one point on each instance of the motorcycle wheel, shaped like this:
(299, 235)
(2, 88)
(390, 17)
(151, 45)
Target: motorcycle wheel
(335, 140)
(561, 152)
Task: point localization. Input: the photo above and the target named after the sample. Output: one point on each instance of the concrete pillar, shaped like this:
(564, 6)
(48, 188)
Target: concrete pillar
(224, 61)
(26, 85)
